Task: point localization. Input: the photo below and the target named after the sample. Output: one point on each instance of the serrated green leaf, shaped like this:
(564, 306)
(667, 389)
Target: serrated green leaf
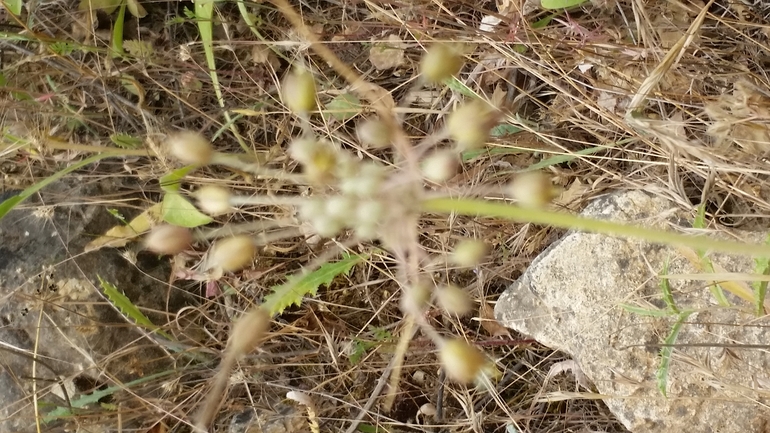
(139, 49)
(178, 211)
(343, 107)
(126, 141)
(172, 181)
(298, 286)
(128, 309)
(560, 4)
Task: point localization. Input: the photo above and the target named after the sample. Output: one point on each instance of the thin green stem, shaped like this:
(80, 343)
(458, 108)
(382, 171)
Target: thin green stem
(483, 208)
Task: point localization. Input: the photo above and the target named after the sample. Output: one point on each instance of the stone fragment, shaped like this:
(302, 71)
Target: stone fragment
(570, 299)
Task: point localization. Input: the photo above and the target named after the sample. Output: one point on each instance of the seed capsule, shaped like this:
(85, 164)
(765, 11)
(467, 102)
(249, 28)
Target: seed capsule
(168, 239)
(233, 254)
(469, 125)
(190, 147)
(299, 91)
(214, 200)
(249, 330)
(461, 361)
(441, 62)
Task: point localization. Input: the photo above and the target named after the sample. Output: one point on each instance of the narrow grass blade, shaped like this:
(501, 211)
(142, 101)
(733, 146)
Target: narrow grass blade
(761, 267)
(485, 208)
(665, 287)
(7, 205)
(117, 32)
(665, 352)
(716, 290)
(94, 397)
(648, 312)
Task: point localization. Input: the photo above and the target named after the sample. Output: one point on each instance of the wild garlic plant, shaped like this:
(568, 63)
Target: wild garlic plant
(363, 199)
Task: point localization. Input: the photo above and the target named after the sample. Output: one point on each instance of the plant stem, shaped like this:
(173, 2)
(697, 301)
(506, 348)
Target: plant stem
(483, 208)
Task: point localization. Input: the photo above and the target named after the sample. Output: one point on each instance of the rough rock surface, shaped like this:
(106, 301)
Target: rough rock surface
(46, 279)
(570, 299)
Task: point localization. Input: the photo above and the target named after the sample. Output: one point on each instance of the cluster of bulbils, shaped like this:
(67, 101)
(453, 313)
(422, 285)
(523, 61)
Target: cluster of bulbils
(359, 195)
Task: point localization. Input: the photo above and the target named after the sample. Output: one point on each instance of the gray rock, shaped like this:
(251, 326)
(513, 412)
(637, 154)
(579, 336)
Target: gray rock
(46, 279)
(570, 300)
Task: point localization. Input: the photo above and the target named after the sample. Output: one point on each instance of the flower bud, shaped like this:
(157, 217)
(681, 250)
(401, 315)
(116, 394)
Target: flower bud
(214, 200)
(233, 254)
(340, 208)
(415, 298)
(469, 125)
(190, 147)
(326, 226)
(319, 159)
(454, 300)
(168, 239)
(441, 62)
(532, 189)
(248, 331)
(469, 252)
(374, 133)
(299, 91)
(461, 361)
(440, 166)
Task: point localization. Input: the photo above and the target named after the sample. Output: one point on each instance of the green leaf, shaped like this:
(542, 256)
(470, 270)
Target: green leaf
(457, 86)
(13, 6)
(665, 287)
(559, 159)
(761, 267)
(172, 181)
(136, 8)
(298, 286)
(117, 32)
(543, 22)
(126, 141)
(3, 80)
(7, 205)
(504, 129)
(648, 312)
(665, 352)
(178, 211)
(94, 397)
(560, 4)
(128, 309)
(62, 48)
(343, 107)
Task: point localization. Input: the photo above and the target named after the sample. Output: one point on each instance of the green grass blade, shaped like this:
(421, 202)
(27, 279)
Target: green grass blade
(716, 290)
(665, 352)
(665, 287)
(117, 32)
(128, 309)
(761, 267)
(485, 208)
(298, 286)
(7, 205)
(94, 397)
(648, 312)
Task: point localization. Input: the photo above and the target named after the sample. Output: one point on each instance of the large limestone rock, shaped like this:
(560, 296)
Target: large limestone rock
(51, 307)
(570, 299)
